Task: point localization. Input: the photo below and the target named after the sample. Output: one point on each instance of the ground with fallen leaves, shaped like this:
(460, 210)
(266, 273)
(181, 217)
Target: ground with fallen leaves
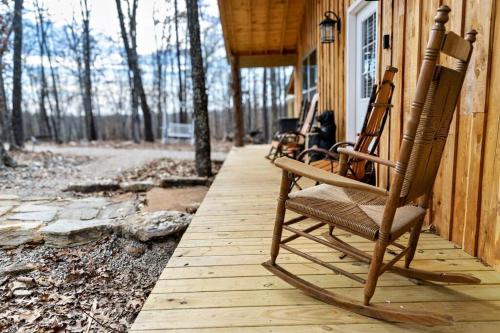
(99, 284)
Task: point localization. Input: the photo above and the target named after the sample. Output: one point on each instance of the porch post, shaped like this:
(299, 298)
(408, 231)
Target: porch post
(236, 91)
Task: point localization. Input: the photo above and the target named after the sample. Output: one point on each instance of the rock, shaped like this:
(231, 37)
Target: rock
(118, 210)
(86, 203)
(66, 233)
(16, 269)
(151, 225)
(88, 213)
(30, 208)
(8, 197)
(22, 292)
(14, 234)
(184, 181)
(4, 209)
(93, 186)
(192, 208)
(137, 186)
(45, 216)
(136, 249)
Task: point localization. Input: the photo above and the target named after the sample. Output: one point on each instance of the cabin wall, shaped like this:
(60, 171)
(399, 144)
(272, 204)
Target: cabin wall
(465, 206)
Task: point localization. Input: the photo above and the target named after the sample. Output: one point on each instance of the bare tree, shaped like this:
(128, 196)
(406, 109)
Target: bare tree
(200, 99)
(17, 97)
(90, 126)
(5, 32)
(274, 99)
(46, 128)
(265, 115)
(181, 91)
(130, 45)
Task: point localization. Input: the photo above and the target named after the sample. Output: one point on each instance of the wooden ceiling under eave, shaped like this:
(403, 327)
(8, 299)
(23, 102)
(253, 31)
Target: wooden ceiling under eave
(261, 33)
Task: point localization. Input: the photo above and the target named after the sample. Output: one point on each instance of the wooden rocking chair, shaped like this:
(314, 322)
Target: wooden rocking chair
(368, 139)
(374, 213)
(292, 143)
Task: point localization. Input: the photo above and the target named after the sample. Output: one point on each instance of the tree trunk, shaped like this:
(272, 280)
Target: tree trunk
(17, 113)
(90, 125)
(236, 91)
(265, 115)
(5, 126)
(182, 102)
(133, 64)
(5, 159)
(274, 100)
(200, 99)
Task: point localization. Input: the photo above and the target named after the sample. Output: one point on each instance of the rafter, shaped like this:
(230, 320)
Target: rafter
(283, 26)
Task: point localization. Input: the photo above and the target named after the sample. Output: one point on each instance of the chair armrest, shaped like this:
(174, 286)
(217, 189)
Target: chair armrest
(338, 145)
(322, 176)
(326, 153)
(367, 157)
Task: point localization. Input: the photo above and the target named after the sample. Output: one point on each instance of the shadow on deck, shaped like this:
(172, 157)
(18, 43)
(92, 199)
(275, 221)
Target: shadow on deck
(214, 281)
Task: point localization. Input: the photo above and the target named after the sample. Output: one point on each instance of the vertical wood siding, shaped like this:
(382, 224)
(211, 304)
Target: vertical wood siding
(465, 205)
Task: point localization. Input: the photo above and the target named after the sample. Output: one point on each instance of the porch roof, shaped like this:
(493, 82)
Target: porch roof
(261, 33)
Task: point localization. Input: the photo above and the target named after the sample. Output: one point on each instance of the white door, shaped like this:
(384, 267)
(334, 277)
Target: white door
(362, 62)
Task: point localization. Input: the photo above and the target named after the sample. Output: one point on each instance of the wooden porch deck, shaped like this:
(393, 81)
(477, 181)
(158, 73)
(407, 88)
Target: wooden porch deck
(214, 281)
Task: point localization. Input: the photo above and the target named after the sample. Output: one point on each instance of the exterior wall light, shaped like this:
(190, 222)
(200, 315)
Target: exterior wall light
(327, 27)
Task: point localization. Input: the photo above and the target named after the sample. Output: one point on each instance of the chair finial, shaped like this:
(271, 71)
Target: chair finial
(471, 36)
(442, 15)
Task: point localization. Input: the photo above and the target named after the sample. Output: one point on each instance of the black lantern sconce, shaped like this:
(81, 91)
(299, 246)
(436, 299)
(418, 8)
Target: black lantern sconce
(327, 27)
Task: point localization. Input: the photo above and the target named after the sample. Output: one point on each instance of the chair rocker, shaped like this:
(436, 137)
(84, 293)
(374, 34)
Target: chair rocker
(292, 143)
(368, 139)
(371, 212)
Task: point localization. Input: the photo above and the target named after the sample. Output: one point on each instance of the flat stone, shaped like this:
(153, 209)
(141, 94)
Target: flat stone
(150, 225)
(137, 186)
(93, 186)
(8, 197)
(16, 234)
(66, 233)
(46, 216)
(4, 209)
(184, 181)
(28, 208)
(88, 203)
(78, 213)
(118, 210)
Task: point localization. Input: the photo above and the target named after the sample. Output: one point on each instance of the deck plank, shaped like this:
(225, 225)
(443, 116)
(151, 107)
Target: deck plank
(214, 281)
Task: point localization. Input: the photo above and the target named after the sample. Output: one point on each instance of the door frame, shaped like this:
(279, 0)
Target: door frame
(351, 64)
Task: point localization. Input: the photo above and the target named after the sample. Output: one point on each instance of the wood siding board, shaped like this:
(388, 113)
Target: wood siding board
(489, 232)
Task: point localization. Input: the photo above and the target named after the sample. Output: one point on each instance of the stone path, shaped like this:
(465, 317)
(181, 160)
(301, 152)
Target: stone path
(63, 222)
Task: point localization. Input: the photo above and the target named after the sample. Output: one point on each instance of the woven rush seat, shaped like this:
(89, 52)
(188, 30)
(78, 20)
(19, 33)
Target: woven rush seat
(359, 212)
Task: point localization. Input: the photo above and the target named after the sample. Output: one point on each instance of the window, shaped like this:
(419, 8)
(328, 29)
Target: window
(309, 76)
(368, 54)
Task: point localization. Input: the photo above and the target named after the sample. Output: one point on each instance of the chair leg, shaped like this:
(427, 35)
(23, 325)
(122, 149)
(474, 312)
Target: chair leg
(412, 242)
(330, 229)
(280, 216)
(373, 274)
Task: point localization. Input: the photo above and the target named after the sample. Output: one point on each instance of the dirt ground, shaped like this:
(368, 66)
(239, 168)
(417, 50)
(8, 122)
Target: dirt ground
(181, 199)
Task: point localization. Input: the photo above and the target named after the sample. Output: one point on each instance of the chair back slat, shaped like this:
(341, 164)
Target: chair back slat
(456, 47)
(308, 121)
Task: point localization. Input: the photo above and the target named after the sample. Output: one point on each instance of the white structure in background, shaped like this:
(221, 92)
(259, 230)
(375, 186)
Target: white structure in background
(178, 131)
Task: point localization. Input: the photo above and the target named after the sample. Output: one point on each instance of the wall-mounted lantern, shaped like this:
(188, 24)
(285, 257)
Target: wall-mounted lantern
(327, 27)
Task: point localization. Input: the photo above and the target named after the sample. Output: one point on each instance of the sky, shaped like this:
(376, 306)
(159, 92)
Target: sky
(104, 18)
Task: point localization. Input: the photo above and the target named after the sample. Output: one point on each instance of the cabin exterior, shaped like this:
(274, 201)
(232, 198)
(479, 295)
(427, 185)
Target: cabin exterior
(373, 35)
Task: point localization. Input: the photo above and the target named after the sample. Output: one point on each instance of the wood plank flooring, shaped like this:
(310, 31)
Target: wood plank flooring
(214, 281)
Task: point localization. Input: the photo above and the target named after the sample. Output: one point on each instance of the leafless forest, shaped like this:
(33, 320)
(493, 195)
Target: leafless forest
(66, 81)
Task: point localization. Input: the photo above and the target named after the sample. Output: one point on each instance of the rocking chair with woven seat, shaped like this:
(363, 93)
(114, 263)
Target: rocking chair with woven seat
(368, 139)
(291, 143)
(371, 212)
